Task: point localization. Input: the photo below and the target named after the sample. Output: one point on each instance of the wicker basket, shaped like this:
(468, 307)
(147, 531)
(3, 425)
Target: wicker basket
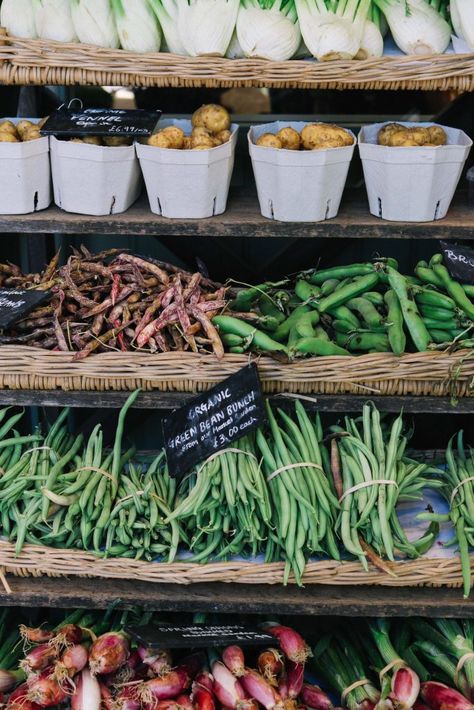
(36, 561)
(430, 373)
(24, 61)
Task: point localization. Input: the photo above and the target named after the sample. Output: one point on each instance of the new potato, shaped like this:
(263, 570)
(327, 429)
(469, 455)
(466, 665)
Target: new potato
(397, 136)
(210, 128)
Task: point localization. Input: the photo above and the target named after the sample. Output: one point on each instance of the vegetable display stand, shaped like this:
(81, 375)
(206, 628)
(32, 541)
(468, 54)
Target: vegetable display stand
(27, 61)
(430, 373)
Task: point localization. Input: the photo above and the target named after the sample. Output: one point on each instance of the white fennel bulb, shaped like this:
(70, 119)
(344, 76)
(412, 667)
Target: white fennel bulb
(416, 26)
(137, 26)
(206, 26)
(18, 18)
(54, 20)
(371, 44)
(234, 50)
(94, 23)
(167, 14)
(463, 11)
(332, 32)
(267, 30)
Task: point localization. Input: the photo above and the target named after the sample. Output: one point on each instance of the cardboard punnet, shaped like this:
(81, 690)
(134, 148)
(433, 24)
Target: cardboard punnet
(92, 179)
(298, 185)
(191, 184)
(25, 175)
(412, 184)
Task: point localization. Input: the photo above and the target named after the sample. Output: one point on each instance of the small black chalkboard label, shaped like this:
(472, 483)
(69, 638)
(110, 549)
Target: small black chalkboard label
(101, 122)
(214, 420)
(14, 304)
(197, 636)
(459, 261)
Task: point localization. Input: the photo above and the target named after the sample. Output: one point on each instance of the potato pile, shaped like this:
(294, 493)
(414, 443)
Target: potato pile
(211, 127)
(109, 141)
(21, 132)
(397, 136)
(314, 136)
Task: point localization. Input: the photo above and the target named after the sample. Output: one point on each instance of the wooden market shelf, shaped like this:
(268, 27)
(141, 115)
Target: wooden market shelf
(25, 61)
(244, 599)
(243, 219)
(172, 400)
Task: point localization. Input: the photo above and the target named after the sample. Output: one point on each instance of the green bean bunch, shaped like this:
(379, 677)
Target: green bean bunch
(458, 481)
(376, 476)
(224, 505)
(304, 507)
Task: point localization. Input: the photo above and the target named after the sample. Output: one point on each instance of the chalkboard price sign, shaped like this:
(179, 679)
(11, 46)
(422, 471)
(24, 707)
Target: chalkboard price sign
(199, 636)
(14, 305)
(212, 421)
(101, 122)
(459, 261)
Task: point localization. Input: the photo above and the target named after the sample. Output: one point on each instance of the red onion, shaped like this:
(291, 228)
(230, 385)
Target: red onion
(106, 699)
(204, 680)
(8, 679)
(108, 653)
(35, 635)
(163, 688)
(292, 644)
(68, 635)
(270, 664)
(227, 688)
(420, 706)
(440, 697)
(39, 658)
(184, 702)
(313, 697)
(295, 679)
(19, 699)
(233, 657)
(203, 699)
(283, 686)
(405, 688)
(73, 660)
(87, 695)
(168, 705)
(260, 689)
(127, 699)
(193, 663)
(47, 693)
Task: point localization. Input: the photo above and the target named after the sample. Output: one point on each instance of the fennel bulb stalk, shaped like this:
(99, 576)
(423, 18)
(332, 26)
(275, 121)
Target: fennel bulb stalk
(463, 11)
(137, 27)
(54, 20)
(268, 29)
(94, 23)
(206, 26)
(18, 18)
(334, 31)
(167, 14)
(416, 26)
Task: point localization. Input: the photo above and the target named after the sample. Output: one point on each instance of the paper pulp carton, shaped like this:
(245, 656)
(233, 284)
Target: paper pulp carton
(190, 184)
(92, 179)
(25, 175)
(298, 185)
(412, 184)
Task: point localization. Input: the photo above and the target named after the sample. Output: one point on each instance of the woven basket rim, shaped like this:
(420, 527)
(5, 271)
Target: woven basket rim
(43, 61)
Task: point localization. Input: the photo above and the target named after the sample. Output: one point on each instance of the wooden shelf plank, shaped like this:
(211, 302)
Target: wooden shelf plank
(171, 400)
(243, 219)
(313, 600)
